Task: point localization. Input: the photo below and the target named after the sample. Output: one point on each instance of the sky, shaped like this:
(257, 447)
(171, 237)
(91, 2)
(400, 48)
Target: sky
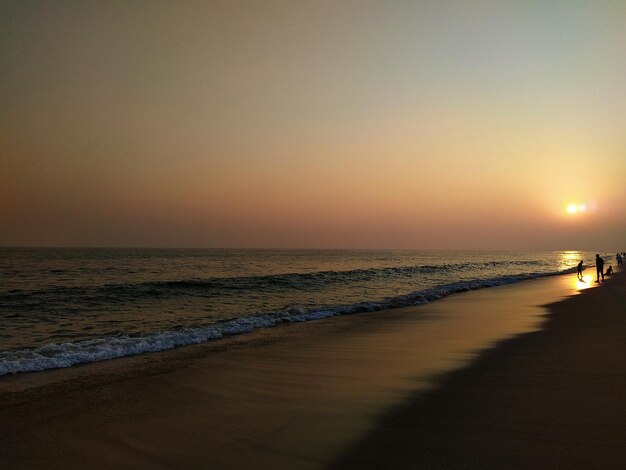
(313, 124)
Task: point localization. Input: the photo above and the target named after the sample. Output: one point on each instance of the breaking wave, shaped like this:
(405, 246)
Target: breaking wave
(59, 355)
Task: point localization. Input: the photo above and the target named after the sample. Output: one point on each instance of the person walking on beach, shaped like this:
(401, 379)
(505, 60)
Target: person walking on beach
(579, 270)
(599, 268)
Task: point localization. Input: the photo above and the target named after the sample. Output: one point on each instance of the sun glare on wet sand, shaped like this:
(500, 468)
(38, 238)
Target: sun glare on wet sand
(584, 283)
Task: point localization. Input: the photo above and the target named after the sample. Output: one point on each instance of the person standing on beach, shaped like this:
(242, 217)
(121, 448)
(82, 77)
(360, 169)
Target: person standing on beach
(599, 268)
(579, 270)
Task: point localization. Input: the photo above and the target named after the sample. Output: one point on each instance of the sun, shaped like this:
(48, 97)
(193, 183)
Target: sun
(574, 208)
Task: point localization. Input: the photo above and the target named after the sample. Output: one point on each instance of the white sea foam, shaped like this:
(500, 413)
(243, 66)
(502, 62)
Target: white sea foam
(53, 356)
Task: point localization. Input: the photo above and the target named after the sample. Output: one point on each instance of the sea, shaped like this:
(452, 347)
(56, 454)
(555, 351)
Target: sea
(60, 307)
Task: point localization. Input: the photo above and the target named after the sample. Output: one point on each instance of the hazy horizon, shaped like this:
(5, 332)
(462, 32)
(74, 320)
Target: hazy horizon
(313, 125)
(603, 252)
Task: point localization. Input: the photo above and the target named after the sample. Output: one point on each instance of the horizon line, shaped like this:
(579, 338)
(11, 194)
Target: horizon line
(137, 247)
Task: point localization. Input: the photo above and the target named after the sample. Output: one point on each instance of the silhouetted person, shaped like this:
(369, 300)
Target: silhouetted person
(620, 261)
(599, 268)
(609, 271)
(579, 270)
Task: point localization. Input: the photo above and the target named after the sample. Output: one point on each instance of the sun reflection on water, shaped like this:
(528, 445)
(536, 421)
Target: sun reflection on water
(569, 259)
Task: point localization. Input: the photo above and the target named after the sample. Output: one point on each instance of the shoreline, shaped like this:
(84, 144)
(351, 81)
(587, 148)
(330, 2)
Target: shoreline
(552, 398)
(292, 396)
(51, 356)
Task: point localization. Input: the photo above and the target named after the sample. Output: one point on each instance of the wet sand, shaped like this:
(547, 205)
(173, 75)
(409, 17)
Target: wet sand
(369, 390)
(554, 398)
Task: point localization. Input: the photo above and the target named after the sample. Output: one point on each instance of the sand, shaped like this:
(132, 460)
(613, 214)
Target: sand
(467, 381)
(555, 398)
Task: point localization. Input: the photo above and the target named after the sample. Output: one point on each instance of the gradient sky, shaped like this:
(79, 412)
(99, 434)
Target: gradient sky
(322, 124)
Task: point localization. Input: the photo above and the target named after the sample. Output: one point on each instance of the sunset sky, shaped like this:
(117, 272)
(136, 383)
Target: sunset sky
(313, 124)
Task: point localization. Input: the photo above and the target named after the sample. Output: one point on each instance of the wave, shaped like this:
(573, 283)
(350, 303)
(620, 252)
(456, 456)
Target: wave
(53, 356)
(305, 281)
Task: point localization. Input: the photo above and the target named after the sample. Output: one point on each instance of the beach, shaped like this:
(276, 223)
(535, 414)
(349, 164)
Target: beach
(530, 375)
(548, 399)
(293, 235)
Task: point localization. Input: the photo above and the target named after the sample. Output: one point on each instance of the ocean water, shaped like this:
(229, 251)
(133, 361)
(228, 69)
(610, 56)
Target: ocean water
(61, 307)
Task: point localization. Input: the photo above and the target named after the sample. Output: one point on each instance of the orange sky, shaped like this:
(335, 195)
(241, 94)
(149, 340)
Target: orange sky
(313, 124)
